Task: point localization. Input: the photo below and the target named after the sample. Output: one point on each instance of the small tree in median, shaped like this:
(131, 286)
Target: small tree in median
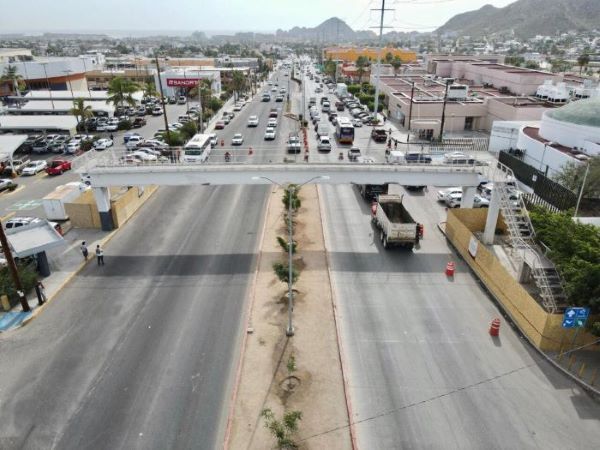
(283, 430)
(282, 272)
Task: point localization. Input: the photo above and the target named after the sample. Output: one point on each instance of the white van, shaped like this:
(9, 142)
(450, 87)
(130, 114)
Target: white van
(395, 157)
(324, 144)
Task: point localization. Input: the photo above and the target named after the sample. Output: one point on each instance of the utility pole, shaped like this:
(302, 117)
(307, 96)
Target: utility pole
(444, 110)
(13, 270)
(378, 69)
(412, 94)
(162, 100)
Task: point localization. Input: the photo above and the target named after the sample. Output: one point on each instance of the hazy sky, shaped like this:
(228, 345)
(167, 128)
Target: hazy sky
(224, 15)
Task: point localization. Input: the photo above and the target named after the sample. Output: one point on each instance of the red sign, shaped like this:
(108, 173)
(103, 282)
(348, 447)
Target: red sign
(182, 82)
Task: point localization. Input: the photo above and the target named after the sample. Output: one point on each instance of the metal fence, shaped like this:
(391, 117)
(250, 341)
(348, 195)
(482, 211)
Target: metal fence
(476, 144)
(546, 192)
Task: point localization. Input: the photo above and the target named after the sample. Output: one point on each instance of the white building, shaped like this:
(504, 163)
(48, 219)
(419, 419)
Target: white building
(569, 134)
(177, 81)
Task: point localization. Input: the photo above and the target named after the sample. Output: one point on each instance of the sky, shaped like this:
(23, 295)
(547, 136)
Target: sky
(218, 16)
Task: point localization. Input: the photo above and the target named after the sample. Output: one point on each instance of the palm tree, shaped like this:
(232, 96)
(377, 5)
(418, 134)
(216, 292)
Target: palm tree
(238, 83)
(11, 74)
(330, 68)
(80, 110)
(120, 91)
(583, 60)
(361, 63)
(150, 90)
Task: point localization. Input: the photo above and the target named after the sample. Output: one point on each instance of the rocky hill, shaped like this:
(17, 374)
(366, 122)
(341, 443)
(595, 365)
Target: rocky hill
(527, 18)
(332, 30)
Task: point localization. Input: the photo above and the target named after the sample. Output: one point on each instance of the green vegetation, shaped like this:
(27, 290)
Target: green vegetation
(286, 246)
(283, 430)
(282, 272)
(291, 193)
(10, 74)
(81, 112)
(120, 91)
(571, 177)
(362, 62)
(27, 275)
(575, 250)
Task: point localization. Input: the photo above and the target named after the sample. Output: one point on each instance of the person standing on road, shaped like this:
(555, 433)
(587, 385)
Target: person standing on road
(99, 255)
(395, 144)
(84, 250)
(112, 138)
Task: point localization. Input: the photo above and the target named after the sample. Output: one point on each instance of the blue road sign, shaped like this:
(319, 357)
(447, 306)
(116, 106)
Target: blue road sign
(575, 317)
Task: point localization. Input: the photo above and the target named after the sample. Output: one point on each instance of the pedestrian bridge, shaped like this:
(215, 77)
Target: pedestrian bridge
(109, 170)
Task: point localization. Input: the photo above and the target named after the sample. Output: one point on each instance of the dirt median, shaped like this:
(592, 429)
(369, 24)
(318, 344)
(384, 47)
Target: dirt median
(316, 386)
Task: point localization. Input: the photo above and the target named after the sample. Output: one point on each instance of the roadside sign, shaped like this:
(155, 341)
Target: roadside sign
(575, 317)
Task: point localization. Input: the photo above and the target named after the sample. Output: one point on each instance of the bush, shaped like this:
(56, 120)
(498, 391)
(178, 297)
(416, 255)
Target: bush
(354, 89)
(286, 246)
(283, 430)
(188, 130)
(282, 271)
(174, 139)
(296, 203)
(27, 274)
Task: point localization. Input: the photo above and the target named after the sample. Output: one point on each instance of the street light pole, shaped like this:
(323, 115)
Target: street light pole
(48, 84)
(587, 169)
(292, 190)
(444, 109)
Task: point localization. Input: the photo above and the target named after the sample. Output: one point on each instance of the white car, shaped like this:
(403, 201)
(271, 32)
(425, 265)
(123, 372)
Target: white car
(175, 125)
(112, 125)
(253, 121)
(143, 156)
(149, 151)
(237, 139)
(270, 134)
(441, 197)
(272, 122)
(237, 107)
(134, 141)
(453, 200)
(157, 111)
(103, 144)
(34, 167)
(72, 147)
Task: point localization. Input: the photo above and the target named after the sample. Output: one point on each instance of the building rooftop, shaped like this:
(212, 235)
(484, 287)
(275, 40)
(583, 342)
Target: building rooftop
(38, 122)
(534, 133)
(58, 105)
(581, 112)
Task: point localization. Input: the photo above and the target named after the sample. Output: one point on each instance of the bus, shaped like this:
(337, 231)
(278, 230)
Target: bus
(197, 149)
(344, 131)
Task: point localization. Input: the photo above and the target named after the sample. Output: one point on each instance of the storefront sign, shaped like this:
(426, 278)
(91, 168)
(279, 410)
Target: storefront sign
(182, 82)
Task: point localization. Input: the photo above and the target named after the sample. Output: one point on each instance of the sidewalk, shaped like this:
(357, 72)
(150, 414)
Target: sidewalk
(65, 262)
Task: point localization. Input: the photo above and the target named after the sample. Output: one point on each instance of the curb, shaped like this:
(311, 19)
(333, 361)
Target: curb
(349, 410)
(595, 393)
(247, 322)
(66, 281)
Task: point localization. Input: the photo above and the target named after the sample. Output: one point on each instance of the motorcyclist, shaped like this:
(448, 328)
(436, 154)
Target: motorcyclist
(227, 157)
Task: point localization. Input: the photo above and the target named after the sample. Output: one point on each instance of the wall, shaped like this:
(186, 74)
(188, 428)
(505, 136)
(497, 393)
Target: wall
(83, 212)
(543, 157)
(543, 329)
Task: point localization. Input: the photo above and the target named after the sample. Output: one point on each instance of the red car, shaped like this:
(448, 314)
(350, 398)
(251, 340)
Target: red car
(58, 166)
(219, 125)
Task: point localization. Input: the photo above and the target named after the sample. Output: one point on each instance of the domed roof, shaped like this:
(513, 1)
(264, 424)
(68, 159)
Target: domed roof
(580, 112)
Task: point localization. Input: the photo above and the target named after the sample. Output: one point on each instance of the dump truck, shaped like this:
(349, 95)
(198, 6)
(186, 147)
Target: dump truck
(379, 135)
(396, 226)
(372, 191)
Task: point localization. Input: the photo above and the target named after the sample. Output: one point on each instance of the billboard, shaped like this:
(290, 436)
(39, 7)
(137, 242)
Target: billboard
(182, 82)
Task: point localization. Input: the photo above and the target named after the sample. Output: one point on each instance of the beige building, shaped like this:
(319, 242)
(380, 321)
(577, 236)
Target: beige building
(417, 103)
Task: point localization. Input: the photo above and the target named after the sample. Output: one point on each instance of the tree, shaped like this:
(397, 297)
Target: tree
(291, 193)
(283, 430)
(238, 83)
(389, 57)
(120, 91)
(396, 63)
(583, 60)
(150, 90)
(361, 63)
(80, 110)
(282, 271)
(532, 65)
(575, 250)
(330, 68)
(571, 177)
(11, 74)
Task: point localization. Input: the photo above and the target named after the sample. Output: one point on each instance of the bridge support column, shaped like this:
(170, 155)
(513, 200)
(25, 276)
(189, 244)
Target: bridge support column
(492, 218)
(102, 196)
(468, 194)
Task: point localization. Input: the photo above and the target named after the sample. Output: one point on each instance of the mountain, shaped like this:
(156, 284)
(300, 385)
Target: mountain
(332, 30)
(526, 18)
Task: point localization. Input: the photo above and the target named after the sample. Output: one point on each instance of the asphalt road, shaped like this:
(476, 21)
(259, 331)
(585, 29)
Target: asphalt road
(423, 370)
(140, 353)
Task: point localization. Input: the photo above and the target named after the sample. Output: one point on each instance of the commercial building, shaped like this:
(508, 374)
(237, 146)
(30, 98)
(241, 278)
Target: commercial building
(100, 79)
(11, 55)
(38, 124)
(420, 103)
(178, 81)
(58, 74)
(351, 54)
(59, 108)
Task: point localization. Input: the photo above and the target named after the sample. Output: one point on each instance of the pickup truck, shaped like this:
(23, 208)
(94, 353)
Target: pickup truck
(395, 224)
(18, 165)
(293, 144)
(58, 166)
(379, 135)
